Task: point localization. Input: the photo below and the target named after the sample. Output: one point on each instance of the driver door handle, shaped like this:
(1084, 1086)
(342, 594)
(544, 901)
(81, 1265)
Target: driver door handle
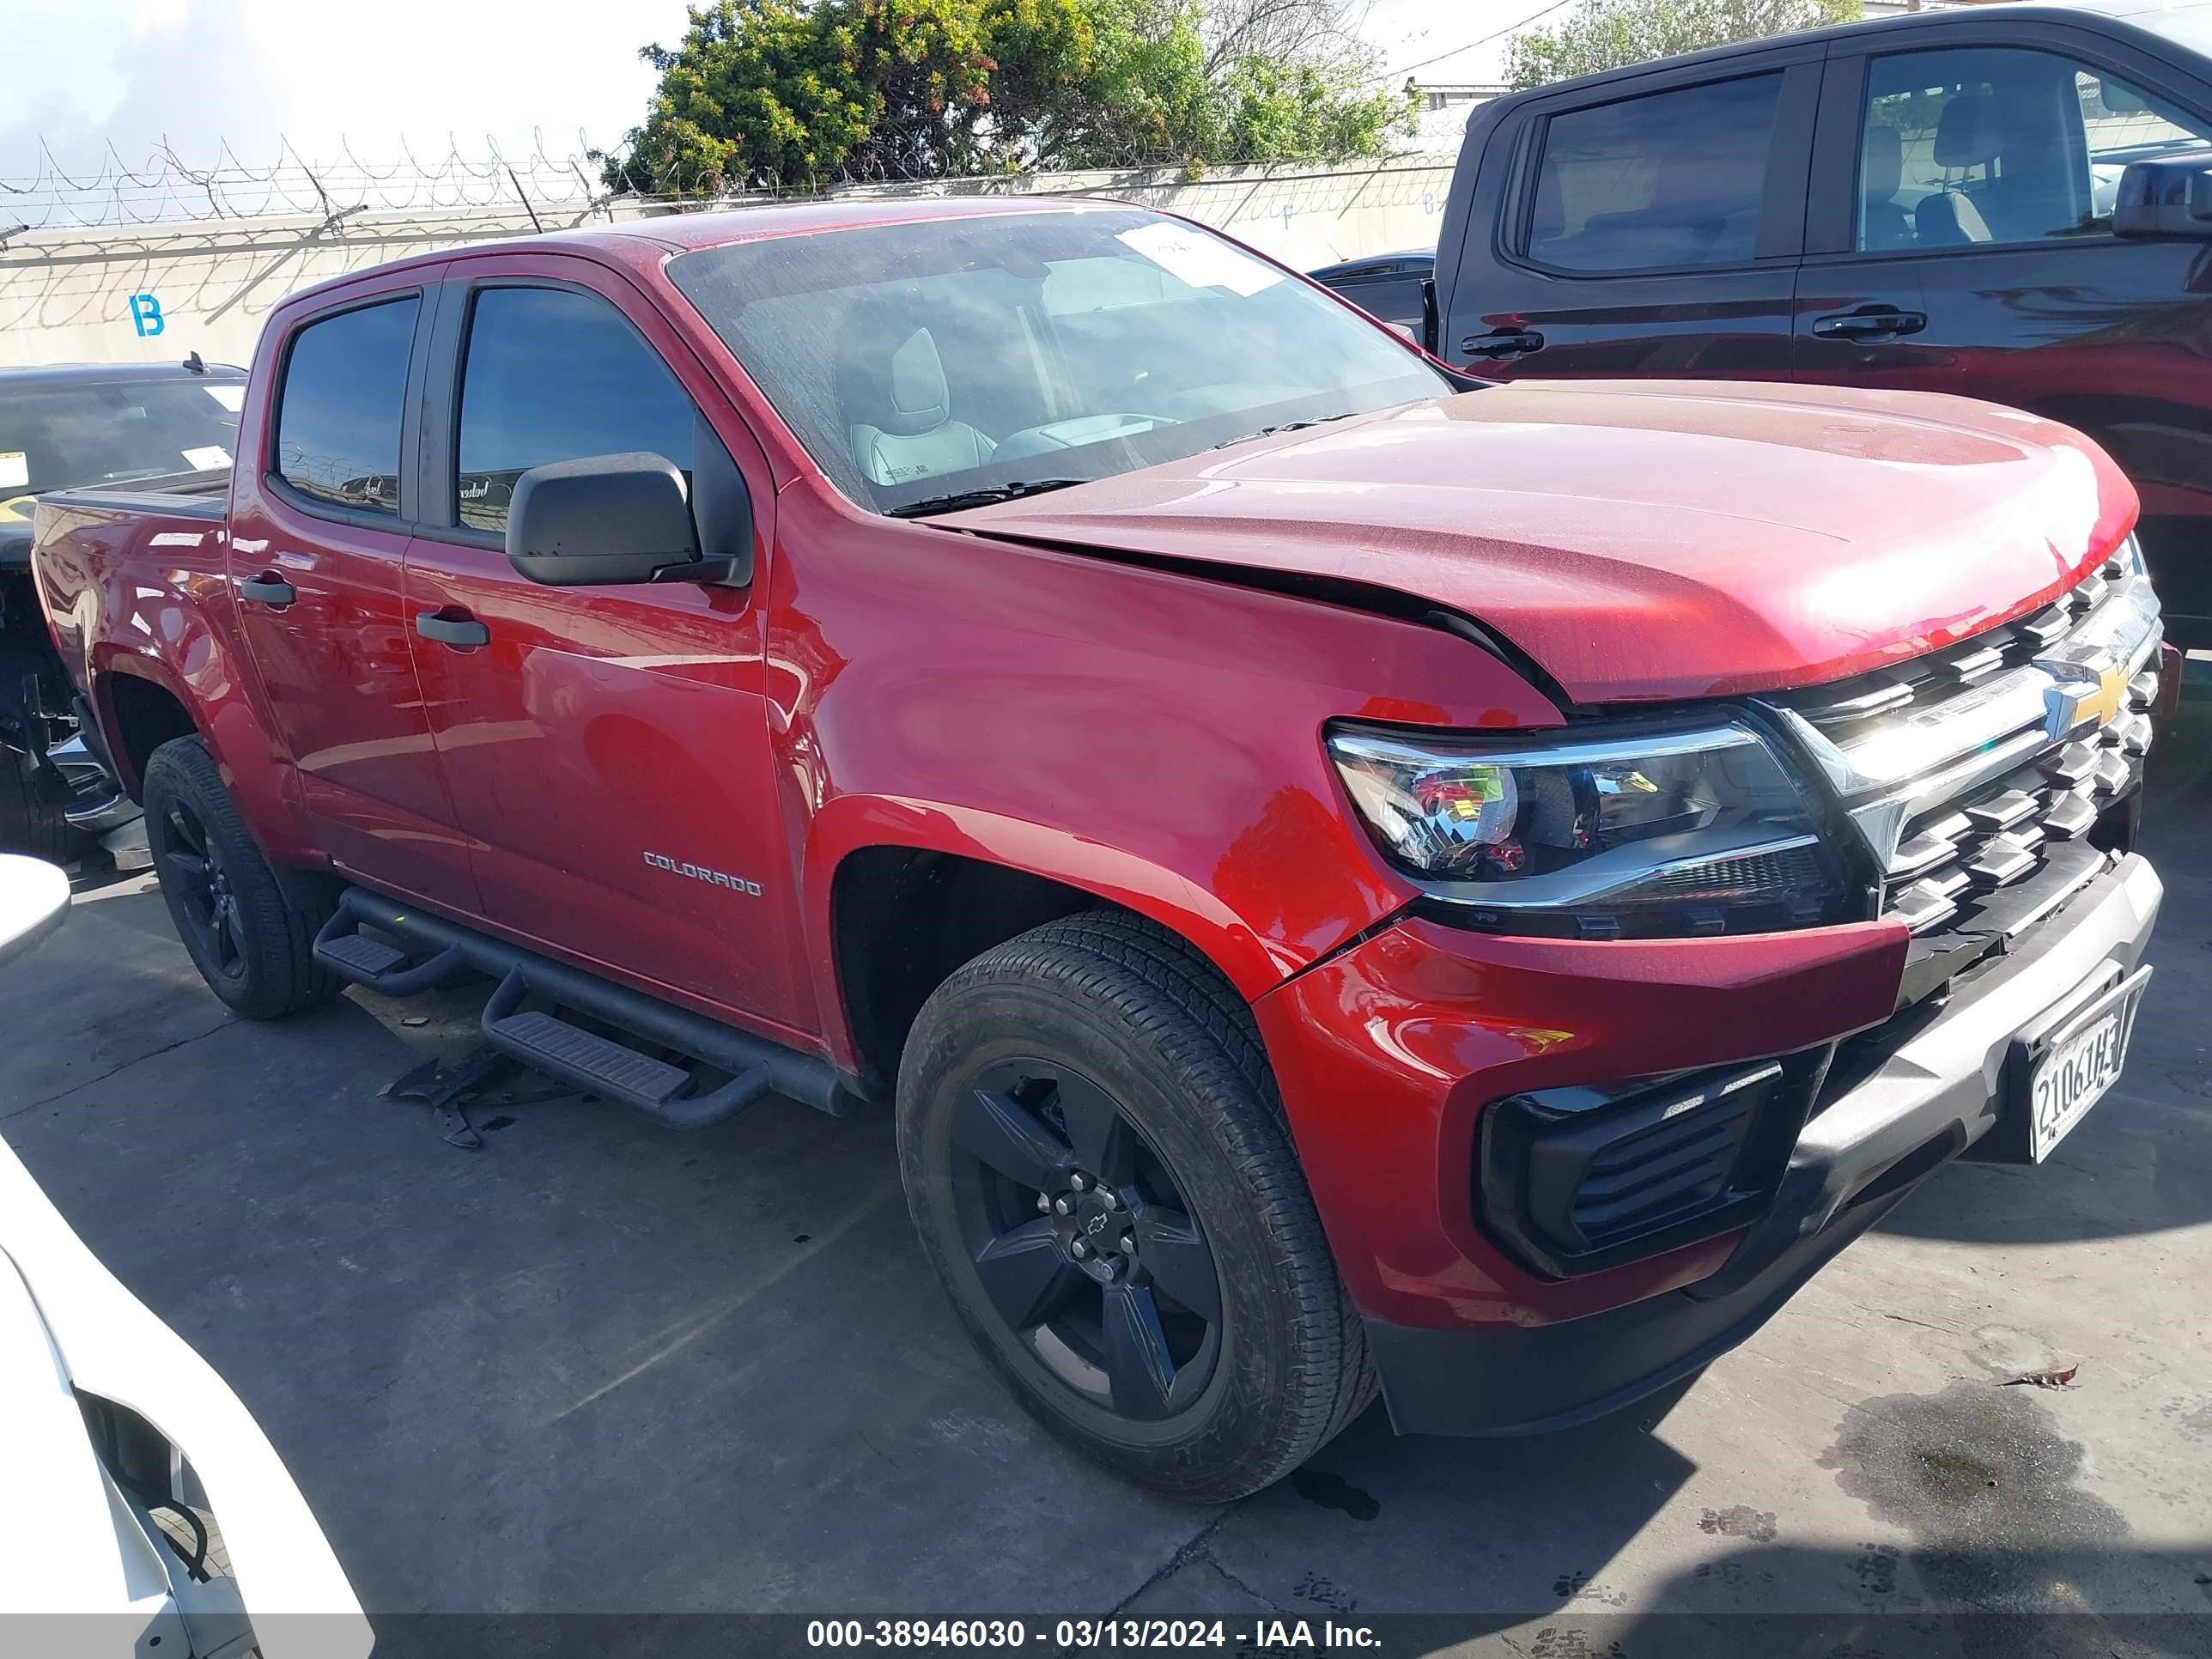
(267, 588)
(464, 631)
(1502, 343)
(1871, 324)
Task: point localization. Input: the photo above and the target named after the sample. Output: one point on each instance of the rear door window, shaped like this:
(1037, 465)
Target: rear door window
(340, 414)
(1671, 180)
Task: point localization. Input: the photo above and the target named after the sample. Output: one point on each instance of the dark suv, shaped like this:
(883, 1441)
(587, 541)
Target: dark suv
(2013, 202)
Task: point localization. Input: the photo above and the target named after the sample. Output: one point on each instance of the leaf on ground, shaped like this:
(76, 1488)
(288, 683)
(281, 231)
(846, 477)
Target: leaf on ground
(2049, 1379)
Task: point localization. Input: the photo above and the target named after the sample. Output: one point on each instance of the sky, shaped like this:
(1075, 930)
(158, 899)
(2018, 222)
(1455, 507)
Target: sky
(433, 74)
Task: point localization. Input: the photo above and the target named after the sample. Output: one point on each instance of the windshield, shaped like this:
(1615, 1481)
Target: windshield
(920, 363)
(2189, 26)
(67, 433)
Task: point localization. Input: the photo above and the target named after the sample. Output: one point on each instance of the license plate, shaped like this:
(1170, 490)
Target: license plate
(2076, 1060)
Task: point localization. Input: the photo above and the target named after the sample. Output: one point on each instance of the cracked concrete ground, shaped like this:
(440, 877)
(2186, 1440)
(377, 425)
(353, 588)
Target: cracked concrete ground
(600, 1366)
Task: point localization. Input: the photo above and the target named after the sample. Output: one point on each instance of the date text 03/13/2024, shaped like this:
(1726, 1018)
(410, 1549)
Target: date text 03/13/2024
(1247, 1635)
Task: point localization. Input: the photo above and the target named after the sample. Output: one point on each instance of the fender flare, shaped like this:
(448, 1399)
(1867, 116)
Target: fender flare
(108, 661)
(850, 823)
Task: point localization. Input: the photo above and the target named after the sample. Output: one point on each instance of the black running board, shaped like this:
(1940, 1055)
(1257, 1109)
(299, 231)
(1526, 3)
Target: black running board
(442, 951)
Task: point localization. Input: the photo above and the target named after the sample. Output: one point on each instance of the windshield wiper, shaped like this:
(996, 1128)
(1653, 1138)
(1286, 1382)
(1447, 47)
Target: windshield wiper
(1287, 426)
(1005, 492)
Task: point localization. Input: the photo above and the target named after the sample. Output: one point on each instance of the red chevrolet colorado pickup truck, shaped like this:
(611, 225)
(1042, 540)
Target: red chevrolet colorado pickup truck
(1341, 875)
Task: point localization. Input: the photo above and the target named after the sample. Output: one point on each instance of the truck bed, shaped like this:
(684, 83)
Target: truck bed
(202, 495)
(131, 557)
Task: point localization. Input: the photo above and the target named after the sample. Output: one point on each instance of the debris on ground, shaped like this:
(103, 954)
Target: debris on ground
(2049, 1379)
(442, 1087)
(449, 1089)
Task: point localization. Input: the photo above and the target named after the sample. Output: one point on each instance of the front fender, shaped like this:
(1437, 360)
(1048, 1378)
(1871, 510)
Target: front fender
(1248, 959)
(1150, 735)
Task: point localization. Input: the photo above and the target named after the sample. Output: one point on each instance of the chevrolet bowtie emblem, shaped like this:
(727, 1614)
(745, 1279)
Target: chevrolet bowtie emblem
(2095, 699)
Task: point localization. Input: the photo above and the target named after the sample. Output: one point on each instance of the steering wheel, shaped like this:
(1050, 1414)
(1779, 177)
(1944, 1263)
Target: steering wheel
(1075, 432)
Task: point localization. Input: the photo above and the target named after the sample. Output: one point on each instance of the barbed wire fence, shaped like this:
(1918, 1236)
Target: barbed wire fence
(164, 188)
(548, 185)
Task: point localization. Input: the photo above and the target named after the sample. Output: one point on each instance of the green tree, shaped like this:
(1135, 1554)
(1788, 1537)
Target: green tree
(760, 90)
(764, 93)
(1603, 34)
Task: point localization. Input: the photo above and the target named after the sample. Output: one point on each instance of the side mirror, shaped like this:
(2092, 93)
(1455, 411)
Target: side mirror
(2170, 196)
(608, 520)
(601, 518)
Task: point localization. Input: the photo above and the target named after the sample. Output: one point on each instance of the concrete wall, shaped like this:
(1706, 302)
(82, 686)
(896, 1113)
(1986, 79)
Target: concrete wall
(155, 293)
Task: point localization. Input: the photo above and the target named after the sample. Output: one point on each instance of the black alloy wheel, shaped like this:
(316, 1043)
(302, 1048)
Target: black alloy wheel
(190, 866)
(1082, 1241)
(250, 934)
(1096, 1160)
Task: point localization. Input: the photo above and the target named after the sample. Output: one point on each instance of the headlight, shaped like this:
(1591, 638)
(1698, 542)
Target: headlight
(1638, 835)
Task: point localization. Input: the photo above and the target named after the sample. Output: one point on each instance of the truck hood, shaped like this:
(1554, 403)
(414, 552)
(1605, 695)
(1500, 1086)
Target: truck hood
(1643, 540)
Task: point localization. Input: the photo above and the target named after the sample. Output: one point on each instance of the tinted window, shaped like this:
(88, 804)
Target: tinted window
(1668, 180)
(345, 388)
(1992, 145)
(919, 361)
(552, 375)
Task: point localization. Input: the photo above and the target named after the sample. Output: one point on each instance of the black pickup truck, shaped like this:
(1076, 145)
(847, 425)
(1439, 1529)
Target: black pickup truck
(61, 426)
(2011, 202)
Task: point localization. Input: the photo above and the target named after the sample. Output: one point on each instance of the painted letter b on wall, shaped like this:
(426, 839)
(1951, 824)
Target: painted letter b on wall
(145, 315)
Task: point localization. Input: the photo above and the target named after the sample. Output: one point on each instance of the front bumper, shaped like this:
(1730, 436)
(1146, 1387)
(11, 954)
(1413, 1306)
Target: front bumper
(1428, 1026)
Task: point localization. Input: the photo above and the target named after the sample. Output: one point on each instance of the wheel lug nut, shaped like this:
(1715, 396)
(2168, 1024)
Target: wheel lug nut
(1078, 1249)
(1109, 1198)
(1044, 1201)
(1128, 1243)
(1077, 1181)
(1062, 1207)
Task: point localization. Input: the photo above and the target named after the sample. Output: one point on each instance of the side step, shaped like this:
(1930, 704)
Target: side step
(354, 956)
(608, 1069)
(598, 1065)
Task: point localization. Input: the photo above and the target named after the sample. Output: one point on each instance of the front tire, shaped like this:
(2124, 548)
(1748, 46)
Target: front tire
(1096, 1161)
(252, 945)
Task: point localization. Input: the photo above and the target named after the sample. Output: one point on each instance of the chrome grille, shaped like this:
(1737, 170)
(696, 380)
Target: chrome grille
(1969, 771)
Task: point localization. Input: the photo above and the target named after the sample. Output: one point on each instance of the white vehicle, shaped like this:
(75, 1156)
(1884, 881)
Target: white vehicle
(146, 1513)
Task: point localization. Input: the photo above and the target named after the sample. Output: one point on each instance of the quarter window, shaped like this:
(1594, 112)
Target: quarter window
(339, 415)
(554, 375)
(1666, 181)
(1985, 146)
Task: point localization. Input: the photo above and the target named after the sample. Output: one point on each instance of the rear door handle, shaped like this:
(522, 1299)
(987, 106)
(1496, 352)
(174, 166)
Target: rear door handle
(1502, 343)
(1870, 323)
(462, 631)
(267, 588)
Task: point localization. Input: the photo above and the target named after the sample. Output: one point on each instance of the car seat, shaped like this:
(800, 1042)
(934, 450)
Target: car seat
(1970, 133)
(898, 410)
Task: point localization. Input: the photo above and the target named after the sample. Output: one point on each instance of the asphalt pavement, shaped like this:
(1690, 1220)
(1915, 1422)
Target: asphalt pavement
(601, 1367)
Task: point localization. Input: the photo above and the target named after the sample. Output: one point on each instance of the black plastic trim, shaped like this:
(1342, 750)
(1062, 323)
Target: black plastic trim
(1535, 1149)
(1534, 1379)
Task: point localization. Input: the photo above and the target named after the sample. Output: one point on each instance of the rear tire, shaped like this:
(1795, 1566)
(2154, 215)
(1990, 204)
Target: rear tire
(252, 944)
(1181, 1322)
(30, 824)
